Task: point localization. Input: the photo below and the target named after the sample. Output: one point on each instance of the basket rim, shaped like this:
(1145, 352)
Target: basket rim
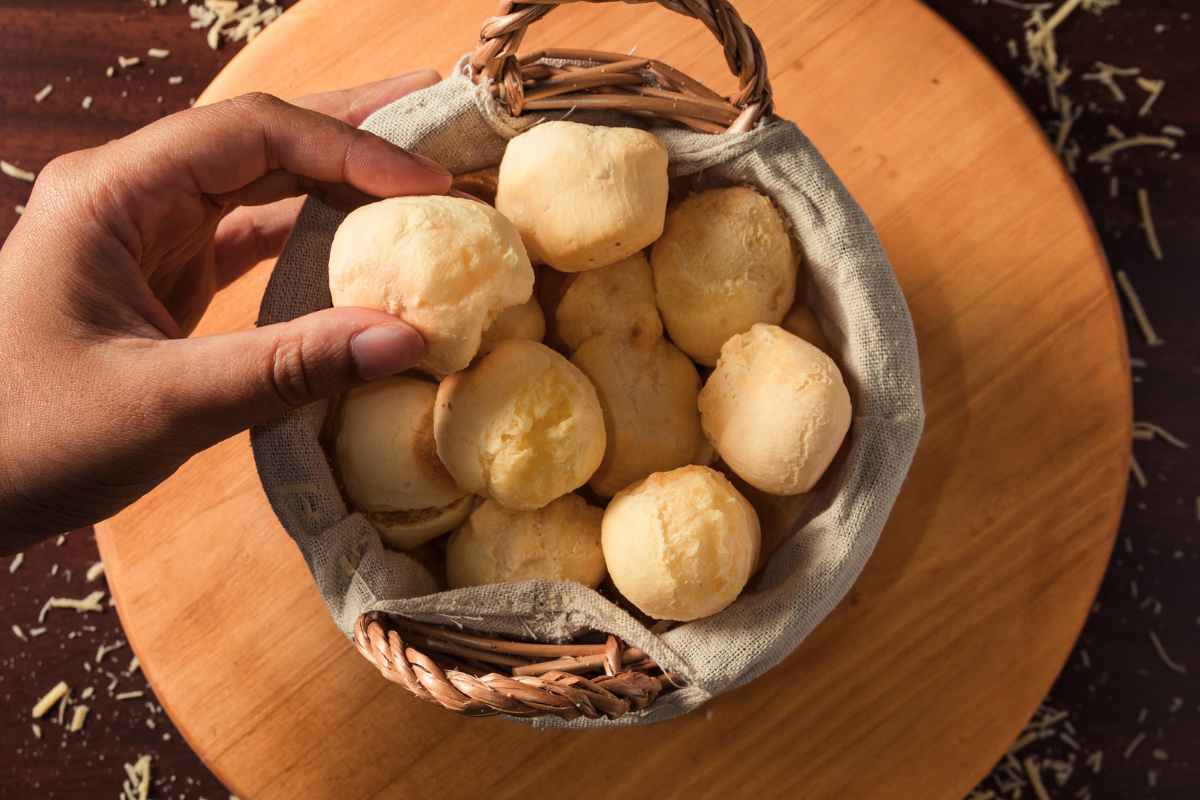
(462, 674)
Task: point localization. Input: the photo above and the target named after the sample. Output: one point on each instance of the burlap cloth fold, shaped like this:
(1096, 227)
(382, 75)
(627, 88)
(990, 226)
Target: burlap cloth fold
(852, 290)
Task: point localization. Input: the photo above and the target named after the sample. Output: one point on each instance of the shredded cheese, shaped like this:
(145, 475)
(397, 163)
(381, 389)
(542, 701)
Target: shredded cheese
(1035, 779)
(35, 632)
(95, 571)
(1134, 744)
(1105, 75)
(1105, 154)
(91, 604)
(13, 171)
(20, 634)
(1174, 130)
(105, 649)
(158, 52)
(1138, 474)
(1153, 88)
(1172, 665)
(43, 93)
(77, 717)
(1068, 114)
(125, 62)
(1114, 186)
(110, 71)
(1148, 430)
(175, 80)
(87, 693)
(15, 564)
(20, 209)
(131, 695)
(134, 666)
(1055, 20)
(50, 699)
(1148, 225)
(1096, 761)
(1139, 313)
(37, 730)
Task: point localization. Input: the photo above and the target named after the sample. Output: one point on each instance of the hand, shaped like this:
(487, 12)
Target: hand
(116, 258)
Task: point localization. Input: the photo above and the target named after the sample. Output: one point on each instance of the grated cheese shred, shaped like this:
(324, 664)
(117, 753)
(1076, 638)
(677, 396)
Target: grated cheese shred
(1148, 225)
(50, 699)
(1139, 313)
(1139, 474)
(13, 171)
(1153, 88)
(1105, 154)
(1172, 665)
(77, 718)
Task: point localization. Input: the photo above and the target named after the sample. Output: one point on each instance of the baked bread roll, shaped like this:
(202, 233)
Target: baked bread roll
(388, 462)
(802, 322)
(724, 262)
(680, 545)
(446, 265)
(776, 409)
(584, 196)
(617, 300)
(408, 530)
(525, 321)
(560, 542)
(522, 426)
(648, 394)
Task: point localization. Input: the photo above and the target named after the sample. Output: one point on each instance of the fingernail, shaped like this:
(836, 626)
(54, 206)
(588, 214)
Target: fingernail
(385, 350)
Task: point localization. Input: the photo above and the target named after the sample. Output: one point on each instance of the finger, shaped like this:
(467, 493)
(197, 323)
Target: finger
(220, 149)
(354, 105)
(250, 235)
(218, 385)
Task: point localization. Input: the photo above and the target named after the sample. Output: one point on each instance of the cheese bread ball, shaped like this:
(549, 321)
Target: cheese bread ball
(680, 545)
(525, 321)
(648, 394)
(584, 196)
(776, 409)
(385, 449)
(522, 426)
(724, 262)
(617, 300)
(446, 265)
(802, 322)
(560, 542)
(408, 530)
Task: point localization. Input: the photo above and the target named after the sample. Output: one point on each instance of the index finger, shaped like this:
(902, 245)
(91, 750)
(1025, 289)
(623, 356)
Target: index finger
(354, 105)
(220, 149)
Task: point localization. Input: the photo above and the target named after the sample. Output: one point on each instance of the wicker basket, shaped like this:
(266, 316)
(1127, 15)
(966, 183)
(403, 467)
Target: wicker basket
(479, 675)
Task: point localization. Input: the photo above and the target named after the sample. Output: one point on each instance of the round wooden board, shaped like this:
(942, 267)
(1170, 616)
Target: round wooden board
(919, 681)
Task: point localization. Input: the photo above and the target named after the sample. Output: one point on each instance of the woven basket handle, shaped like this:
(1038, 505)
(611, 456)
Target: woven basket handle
(642, 86)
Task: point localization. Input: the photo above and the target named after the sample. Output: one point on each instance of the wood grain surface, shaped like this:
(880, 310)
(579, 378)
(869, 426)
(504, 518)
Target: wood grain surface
(990, 563)
(1114, 687)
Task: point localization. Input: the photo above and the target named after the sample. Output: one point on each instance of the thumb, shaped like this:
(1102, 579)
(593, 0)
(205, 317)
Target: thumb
(219, 385)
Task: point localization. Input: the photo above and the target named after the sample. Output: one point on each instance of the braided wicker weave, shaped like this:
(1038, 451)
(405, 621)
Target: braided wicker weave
(478, 675)
(620, 82)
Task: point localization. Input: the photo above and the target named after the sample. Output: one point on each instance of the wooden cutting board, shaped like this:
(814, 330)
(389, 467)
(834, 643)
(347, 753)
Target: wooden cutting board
(919, 681)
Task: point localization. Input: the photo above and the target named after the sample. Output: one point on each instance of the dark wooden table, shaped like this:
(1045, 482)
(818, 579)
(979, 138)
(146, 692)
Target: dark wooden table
(1117, 696)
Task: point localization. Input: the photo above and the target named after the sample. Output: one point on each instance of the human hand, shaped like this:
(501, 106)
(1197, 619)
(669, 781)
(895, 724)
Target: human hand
(118, 254)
